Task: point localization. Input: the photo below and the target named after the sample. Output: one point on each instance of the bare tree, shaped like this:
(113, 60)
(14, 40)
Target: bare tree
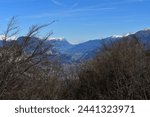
(24, 59)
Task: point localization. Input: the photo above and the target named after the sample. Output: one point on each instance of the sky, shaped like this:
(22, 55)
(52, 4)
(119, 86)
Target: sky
(78, 20)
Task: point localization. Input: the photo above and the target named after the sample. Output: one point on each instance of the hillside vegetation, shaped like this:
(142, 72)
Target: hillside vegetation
(121, 70)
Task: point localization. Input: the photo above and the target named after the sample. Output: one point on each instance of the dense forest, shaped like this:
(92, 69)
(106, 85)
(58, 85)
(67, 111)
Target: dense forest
(121, 70)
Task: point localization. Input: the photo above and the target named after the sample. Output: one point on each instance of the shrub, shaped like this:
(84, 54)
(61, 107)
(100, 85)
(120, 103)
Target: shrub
(120, 71)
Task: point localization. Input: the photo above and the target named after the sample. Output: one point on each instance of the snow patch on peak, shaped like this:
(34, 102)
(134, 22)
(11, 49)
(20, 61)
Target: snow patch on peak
(116, 36)
(57, 38)
(146, 29)
(120, 36)
(127, 34)
(2, 37)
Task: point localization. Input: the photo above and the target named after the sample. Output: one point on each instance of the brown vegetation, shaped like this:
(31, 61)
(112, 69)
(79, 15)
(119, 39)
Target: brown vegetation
(120, 71)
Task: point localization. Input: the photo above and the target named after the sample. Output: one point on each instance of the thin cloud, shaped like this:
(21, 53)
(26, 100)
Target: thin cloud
(67, 13)
(57, 3)
(87, 9)
(122, 2)
(74, 5)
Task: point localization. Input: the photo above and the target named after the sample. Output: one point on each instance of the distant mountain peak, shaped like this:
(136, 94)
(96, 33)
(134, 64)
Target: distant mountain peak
(146, 29)
(57, 38)
(68, 53)
(10, 38)
(116, 36)
(120, 36)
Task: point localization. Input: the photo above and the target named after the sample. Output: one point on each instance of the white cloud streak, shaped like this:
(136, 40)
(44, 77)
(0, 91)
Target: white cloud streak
(70, 13)
(57, 3)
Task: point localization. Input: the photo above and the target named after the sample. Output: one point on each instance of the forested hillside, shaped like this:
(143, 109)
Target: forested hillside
(120, 70)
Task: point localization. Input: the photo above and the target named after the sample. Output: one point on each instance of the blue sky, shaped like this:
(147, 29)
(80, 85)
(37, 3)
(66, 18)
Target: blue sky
(79, 20)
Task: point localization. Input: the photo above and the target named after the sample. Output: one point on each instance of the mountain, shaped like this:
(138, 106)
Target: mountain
(87, 50)
(144, 36)
(66, 52)
(84, 50)
(60, 45)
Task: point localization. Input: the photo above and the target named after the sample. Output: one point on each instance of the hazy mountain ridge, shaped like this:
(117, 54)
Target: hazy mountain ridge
(68, 53)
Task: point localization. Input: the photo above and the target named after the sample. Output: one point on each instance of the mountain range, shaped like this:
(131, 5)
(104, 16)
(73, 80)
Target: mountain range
(67, 53)
(87, 50)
